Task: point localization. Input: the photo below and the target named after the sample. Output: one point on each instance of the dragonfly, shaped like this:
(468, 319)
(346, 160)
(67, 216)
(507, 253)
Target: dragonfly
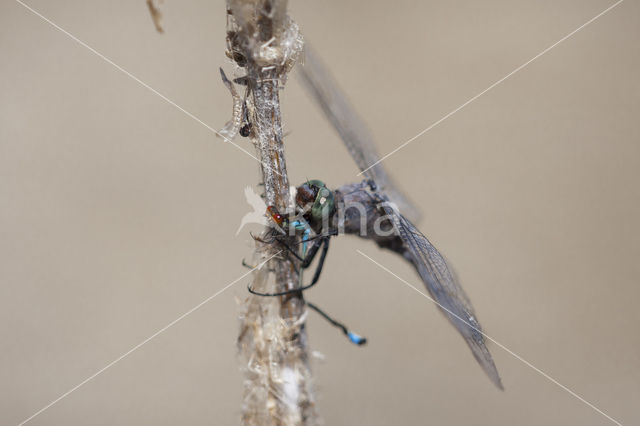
(385, 207)
(310, 247)
(374, 209)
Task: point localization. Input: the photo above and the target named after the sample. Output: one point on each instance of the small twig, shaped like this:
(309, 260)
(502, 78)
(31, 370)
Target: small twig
(156, 15)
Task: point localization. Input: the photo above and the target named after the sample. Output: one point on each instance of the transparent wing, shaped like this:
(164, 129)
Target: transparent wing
(445, 289)
(351, 128)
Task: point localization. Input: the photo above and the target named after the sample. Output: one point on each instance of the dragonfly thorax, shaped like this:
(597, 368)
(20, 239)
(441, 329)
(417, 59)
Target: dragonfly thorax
(316, 200)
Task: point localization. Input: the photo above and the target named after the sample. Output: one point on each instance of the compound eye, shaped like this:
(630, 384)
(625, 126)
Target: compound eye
(305, 195)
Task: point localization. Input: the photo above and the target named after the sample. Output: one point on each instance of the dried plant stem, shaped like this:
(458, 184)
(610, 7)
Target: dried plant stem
(156, 15)
(277, 388)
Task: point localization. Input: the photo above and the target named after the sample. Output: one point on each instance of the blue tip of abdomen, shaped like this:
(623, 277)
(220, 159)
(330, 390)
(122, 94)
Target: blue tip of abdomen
(357, 339)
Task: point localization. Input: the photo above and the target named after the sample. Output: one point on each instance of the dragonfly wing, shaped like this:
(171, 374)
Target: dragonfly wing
(352, 130)
(445, 289)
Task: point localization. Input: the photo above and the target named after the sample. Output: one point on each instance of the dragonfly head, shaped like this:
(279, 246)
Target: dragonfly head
(315, 193)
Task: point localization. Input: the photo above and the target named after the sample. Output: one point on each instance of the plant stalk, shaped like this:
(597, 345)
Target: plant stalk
(266, 43)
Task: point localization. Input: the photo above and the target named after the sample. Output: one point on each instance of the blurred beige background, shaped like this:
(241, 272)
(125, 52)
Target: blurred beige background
(118, 212)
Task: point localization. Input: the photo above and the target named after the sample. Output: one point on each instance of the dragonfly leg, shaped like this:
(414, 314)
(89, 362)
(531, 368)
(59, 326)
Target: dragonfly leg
(252, 267)
(290, 250)
(312, 252)
(316, 276)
